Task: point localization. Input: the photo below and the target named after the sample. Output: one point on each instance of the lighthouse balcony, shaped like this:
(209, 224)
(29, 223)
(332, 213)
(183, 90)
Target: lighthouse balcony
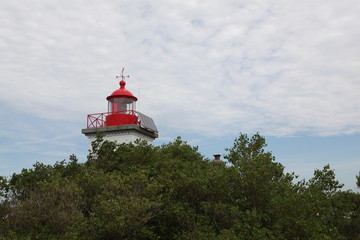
(107, 119)
(111, 119)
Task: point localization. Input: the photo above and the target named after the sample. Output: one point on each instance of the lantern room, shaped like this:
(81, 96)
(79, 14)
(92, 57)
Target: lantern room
(121, 107)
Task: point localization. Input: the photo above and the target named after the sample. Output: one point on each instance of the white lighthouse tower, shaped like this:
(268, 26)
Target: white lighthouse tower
(121, 123)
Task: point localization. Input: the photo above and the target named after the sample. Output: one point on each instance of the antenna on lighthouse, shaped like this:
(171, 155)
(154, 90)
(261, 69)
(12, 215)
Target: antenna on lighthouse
(139, 101)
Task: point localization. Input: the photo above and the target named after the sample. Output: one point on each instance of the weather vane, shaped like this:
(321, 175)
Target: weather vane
(122, 75)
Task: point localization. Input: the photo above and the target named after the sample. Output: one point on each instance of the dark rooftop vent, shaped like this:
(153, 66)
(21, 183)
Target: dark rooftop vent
(217, 158)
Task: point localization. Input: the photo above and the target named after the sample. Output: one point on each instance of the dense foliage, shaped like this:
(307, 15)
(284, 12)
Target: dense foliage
(140, 191)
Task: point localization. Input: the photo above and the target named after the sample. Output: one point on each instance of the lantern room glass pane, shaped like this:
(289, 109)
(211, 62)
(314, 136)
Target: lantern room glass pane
(121, 105)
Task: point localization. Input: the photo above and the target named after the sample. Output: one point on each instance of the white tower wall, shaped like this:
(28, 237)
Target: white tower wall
(120, 134)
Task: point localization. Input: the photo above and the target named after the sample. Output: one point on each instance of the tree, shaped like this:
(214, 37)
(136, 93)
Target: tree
(141, 191)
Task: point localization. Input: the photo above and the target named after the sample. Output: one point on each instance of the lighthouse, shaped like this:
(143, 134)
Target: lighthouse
(121, 123)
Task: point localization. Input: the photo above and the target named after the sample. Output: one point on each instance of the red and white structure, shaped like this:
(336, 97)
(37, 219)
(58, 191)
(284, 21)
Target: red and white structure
(121, 123)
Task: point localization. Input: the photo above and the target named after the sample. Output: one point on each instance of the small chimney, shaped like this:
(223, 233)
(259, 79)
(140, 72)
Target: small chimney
(217, 158)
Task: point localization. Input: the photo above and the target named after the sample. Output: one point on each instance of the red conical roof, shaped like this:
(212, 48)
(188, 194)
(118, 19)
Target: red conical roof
(122, 92)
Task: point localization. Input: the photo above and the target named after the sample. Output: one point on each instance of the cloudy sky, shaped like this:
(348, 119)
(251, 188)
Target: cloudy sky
(203, 70)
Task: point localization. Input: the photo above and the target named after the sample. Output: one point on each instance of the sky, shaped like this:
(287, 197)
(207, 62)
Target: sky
(203, 70)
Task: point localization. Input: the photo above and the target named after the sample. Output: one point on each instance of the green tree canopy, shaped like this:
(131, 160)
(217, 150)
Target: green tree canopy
(141, 191)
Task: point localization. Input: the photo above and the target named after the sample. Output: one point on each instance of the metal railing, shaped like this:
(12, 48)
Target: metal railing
(99, 119)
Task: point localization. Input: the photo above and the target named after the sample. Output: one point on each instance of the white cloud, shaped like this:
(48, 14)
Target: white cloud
(215, 68)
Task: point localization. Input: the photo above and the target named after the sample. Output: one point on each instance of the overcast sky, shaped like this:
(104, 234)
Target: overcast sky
(203, 70)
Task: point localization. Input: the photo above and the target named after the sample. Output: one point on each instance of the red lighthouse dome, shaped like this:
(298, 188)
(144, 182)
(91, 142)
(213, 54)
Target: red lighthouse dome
(122, 92)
